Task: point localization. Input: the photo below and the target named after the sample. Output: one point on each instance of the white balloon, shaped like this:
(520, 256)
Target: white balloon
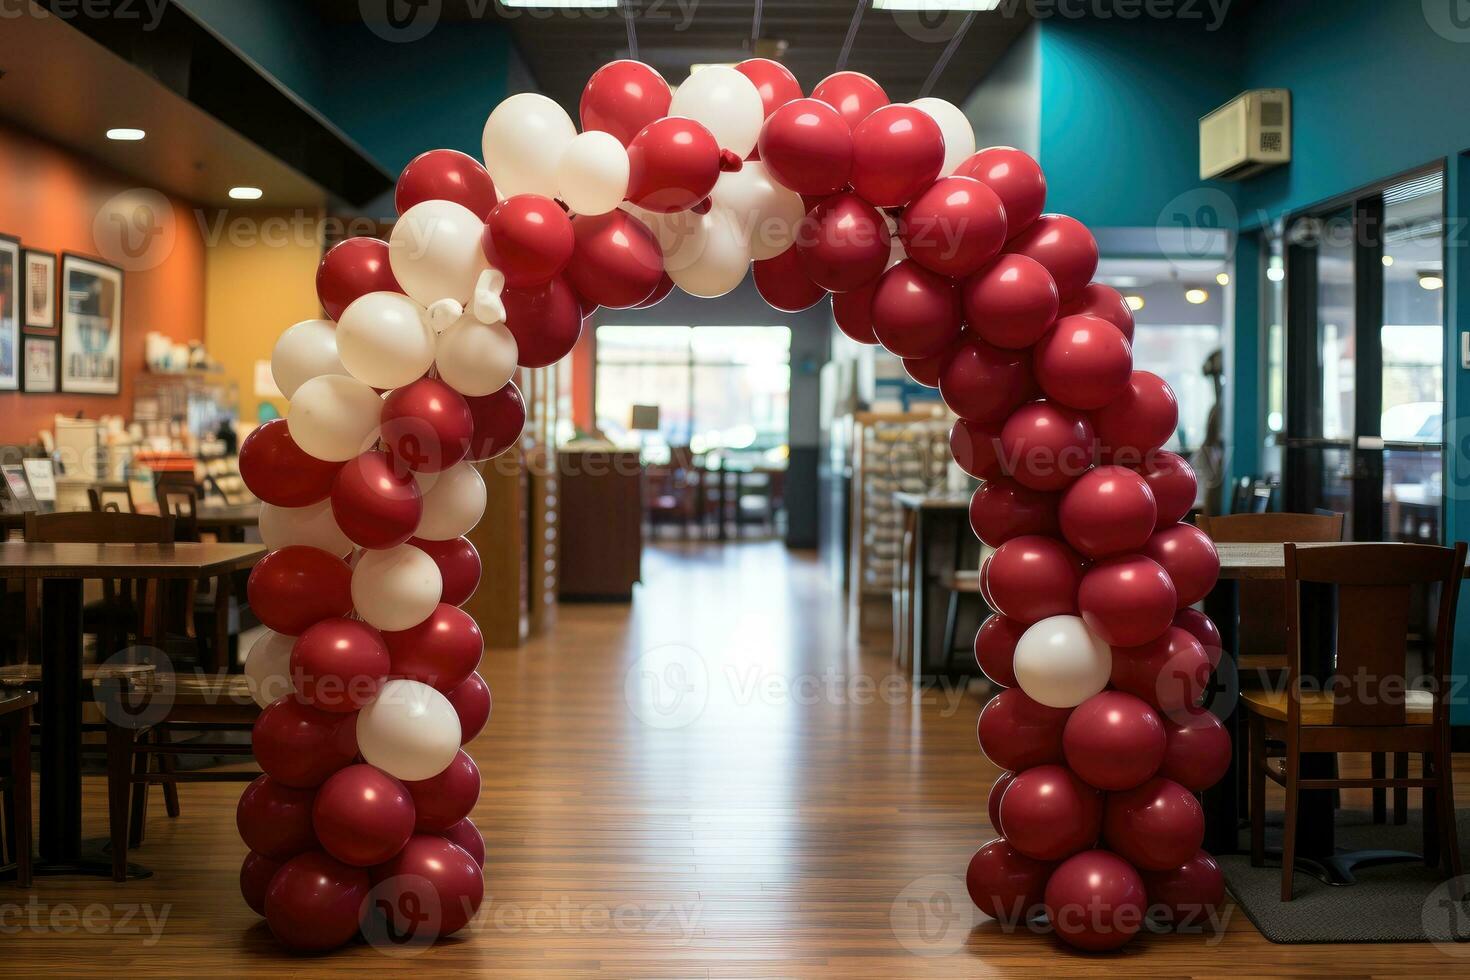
(681, 235)
(268, 667)
(524, 140)
(726, 103)
(385, 340)
(334, 417)
(396, 588)
(304, 351)
(435, 252)
(312, 525)
(1060, 663)
(722, 261)
(410, 731)
(474, 358)
(959, 135)
(454, 502)
(592, 176)
(765, 212)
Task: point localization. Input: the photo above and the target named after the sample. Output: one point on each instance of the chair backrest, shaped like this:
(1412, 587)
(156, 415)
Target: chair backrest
(1375, 593)
(99, 527)
(182, 504)
(111, 497)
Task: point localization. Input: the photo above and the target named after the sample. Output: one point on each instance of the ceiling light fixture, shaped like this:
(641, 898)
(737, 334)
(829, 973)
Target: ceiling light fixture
(246, 193)
(927, 6)
(125, 135)
(1388, 261)
(1275, 275)
(1431, 279)
(559, 3)
(1134, 301)
(1196, 296)
(1223, 278)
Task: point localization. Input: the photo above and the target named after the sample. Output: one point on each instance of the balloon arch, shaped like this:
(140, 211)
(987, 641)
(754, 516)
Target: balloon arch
(939, 253)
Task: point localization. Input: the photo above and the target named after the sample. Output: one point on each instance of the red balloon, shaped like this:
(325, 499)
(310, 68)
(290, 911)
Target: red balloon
(545, 320)
(995, 648)
(338, 665)
(274, 819)
(444, 800)
(1114, 741)
(529, 238)
(291, 588)
(975, 447)
(1198, 752)
(775, 83)
(1047, 446)
(843, 244)
(445, 175)
(376, 504)
(1017, 733)
(467, 836)
(622, 97)
(1139, 420)
(673, 164)
(300, 745)
(314, 901)
(1108, 511)
(1005, 884)
(1104, 302)
(256, 872)
(807, 147)
(782, 283)
(984, 383)
(1190, 558)
(430, 890)
(353, 268)
(1050, 813)
(441, 651)
(617, 263)
(280, 472)
(916, 313)
(925, 370)
(1127, 601)
(992, 802)
(1002, 509)
(1083, 362)
(1188, 895)
(1065, 246)
(954, 226)
(1156, 826)
(1011, 303)
(1174, 484)
(471, 700)
(427, 426)
(1096, 901)
(664, 287)
(853, 312)
(1202, 628)
(1169, 672)
(499, 418)
(1033, 577)
(898, 151)
(459, 567)
(854, 95)
(1016, 179)
(363, 816)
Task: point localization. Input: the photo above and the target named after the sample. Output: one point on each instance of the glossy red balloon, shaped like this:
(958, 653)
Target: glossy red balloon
(499, 418)
(363, 816)
(280, 472)
(1016, 179)
(1189, 895)
(291, 588)
(995, 648)
(1096, 901)
(1083, 362)
(783, 284)
(1033, 577)
(1108, 511)
(954, 226)
(459, 567)
(1173, 483)
(1002, 509)
(466, 836)
(1099, 300)
(441, 651)
(471, 701)
(854, 95)
(1005, 884)
(617, 262)
(529, 238)
(427, 426)
(775, 83)
(256, 872)
(445, 175)
(916, 313)
(1140, 420)
(1127, 601)
(1190, 558)
(375, 503)
(314, 902)
(1198, 752)
(353, 268)
(925, 370)
(662, 290)
(1011, 303)
(545, 320)
(853, 313)
(622, 97)
(992, 802)
(444, 800)
(1202, 628)
(1047, 446)
(1050, 814)
(843, 244)
(975, 447)
(1114, 741)
(339, 665)
(430, 890)
(274, 820)
(807, 147)
(1065, 246)
(300, 745)
(897, 151)
(673, 164)
(1169, 672)
(1156, 826)
(1017, 733)
(985, 384)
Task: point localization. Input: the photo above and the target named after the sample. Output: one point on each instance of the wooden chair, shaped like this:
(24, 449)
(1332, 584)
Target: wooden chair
(1374, 583)
(113, 497)
(15, 719)
(204, 629)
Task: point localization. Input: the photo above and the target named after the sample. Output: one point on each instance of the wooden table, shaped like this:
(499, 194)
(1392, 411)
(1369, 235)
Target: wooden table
(934, 526)
(228, 521)
(61, 569)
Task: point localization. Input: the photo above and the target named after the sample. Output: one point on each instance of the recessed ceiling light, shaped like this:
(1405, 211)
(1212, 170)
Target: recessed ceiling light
(1431, 279)
(1135, 302)
(1388, 261)
(1275, 275)
(558, 3)
(125, 135)
(930, 5)
(246, 193)
(1223, 278)
(1196, 296)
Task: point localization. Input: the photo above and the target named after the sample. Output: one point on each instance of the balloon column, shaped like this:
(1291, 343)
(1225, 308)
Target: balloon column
(941, 254)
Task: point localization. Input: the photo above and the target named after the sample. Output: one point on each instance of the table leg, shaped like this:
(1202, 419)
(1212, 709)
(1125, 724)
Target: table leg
(1222, 801)
(724, 533)
(919, 598)
(61, 720)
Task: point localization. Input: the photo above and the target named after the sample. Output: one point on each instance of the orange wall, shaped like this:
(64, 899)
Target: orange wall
(56, 201)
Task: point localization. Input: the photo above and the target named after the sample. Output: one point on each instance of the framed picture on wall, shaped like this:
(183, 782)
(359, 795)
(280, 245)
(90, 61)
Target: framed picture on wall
(39, 278)
(9, 313)
(91, 326)
(38, 358)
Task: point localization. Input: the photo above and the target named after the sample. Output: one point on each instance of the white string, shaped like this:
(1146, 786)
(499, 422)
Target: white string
(755, 26)
(852, 29)
(628, 14)
(949, 50)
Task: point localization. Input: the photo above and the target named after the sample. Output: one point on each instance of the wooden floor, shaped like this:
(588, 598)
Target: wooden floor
(704, 784)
